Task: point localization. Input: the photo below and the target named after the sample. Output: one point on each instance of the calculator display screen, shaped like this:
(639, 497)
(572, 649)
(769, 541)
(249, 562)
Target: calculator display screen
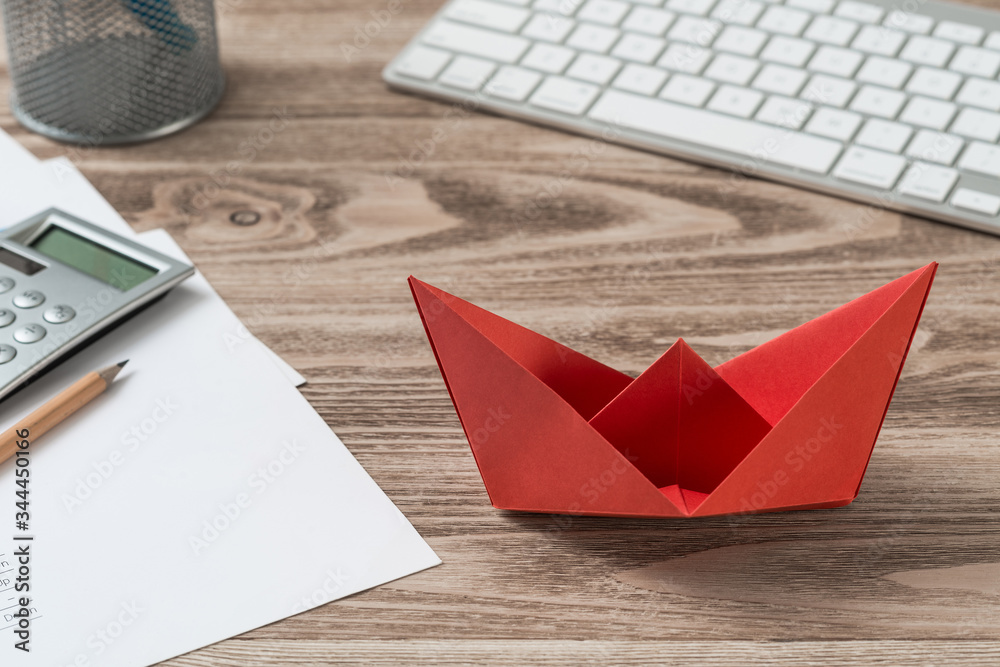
(113, 268)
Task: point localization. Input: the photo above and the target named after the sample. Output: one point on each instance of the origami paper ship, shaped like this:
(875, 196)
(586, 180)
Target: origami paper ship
(788, 425)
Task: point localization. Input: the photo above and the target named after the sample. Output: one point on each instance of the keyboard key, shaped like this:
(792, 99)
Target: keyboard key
(548, 58)
(930, 182)
(909, 22)
(829, 90)
(927, 51)
(982, 159)
(476, 42)
(732, 69)
(931, 146)
(735, 135)
(735, 101)
(784, 20)
(686, 58)
(788, 51)
(834, 124)
(884, 135)
(640, 79)
(884, 72)
(594, 68)
(977, 202)
(639, 48)
(739, 12)
(974, 61)
(695, 31)
(816, 6)
(548, 27)
(859, 11)
(467, 73)
(594, 38)
(959, 32)
(565, 95)
(977, 124)
(608, 12)
(648, 21)
(784, 112)
(487, 14)
(781, 80)
(993, 41)
(926, 112)
(421, 62)
(870, 167)
(688, 90)
(831, 30)
(932, 82)
(740, 40)
(979, 93)
(556, 7)
(880, 102)
(879, 41)
(513, 83)
(699, 7)
(839, 62)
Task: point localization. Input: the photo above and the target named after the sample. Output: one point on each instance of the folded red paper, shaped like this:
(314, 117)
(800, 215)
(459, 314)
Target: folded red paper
(788, 425)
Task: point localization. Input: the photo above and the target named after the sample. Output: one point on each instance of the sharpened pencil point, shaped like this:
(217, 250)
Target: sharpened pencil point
(108, 374)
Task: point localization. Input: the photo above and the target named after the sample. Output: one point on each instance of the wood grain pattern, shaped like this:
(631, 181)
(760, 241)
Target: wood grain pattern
(634, 251)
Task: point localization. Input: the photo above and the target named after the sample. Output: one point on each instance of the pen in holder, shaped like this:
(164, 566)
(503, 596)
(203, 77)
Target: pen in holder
(112, 71)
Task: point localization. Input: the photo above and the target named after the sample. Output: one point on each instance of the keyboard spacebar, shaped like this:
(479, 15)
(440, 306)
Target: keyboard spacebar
(768, 143)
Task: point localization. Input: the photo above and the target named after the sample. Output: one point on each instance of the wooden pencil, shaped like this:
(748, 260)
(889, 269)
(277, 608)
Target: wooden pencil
(64, 404)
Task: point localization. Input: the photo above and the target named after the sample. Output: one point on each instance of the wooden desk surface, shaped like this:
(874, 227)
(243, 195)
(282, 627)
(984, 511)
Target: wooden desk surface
(635, 251)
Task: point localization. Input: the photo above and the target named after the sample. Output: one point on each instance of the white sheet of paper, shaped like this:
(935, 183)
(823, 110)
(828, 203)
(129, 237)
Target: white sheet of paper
(199, 498)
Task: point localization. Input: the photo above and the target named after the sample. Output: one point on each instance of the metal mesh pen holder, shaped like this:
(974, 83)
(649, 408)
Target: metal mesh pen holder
(112, 71)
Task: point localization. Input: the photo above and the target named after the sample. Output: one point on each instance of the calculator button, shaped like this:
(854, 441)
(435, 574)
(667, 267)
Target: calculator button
(7, 353)
(29, 299)
(57, 314)
(6, 284)
(30, 333)
(7, 317)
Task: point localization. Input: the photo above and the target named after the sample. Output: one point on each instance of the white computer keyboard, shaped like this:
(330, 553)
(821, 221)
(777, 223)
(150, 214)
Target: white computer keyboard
(858, 99)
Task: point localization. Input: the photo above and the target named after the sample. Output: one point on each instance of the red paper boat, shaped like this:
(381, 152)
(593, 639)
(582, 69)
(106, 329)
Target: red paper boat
(788, 425)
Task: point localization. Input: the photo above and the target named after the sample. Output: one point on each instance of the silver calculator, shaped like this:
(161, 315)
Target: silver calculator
(64, 281)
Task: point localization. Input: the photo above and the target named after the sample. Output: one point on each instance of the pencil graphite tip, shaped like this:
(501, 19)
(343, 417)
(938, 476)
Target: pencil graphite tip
(108, 374)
